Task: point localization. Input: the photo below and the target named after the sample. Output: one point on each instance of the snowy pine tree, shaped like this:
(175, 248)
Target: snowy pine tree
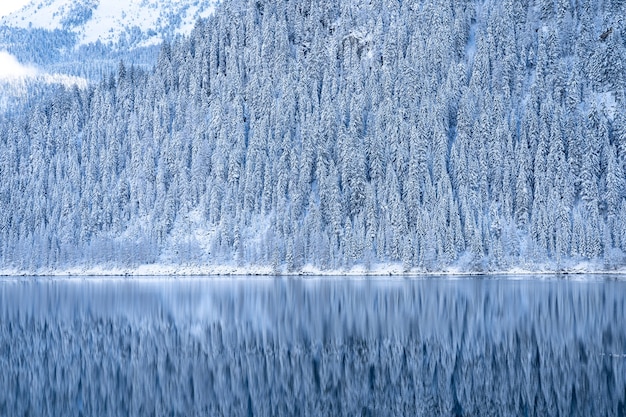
(284, 134)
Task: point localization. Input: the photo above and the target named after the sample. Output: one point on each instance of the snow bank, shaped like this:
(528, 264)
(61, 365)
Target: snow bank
(573, 270)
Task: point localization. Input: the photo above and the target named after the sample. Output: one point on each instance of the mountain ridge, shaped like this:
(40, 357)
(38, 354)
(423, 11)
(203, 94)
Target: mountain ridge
(135, 23)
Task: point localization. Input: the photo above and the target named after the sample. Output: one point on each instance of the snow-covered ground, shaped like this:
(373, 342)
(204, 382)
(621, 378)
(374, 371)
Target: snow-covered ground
(573, 270)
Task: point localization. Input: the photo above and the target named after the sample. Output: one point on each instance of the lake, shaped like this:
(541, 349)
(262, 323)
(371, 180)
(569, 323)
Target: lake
(313, 347)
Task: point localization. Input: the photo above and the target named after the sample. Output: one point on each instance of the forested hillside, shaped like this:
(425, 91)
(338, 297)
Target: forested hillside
(482, 135)
(86, 39)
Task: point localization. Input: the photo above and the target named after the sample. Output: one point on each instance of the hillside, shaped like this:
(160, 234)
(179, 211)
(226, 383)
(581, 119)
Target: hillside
(119, 23)
(76, 42)
(465, 135)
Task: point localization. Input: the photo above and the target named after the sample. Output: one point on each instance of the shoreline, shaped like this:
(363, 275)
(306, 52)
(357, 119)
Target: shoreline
(382, 270)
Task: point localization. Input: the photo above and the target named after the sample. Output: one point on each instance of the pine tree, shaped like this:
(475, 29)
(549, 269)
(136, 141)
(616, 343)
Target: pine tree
(334, 134)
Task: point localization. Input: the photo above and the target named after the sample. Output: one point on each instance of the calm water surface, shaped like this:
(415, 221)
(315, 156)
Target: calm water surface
(315, 347)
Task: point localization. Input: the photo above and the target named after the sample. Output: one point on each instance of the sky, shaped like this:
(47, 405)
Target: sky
(9, 6)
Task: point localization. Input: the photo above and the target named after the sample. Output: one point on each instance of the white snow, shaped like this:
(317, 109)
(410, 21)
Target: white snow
(470, 48)
(8, 7)
(608, 103)
(111, 19)
(577, 271)
(66, 80)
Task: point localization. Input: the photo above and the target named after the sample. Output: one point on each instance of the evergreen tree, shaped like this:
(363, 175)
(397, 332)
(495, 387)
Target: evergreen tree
(332, 135)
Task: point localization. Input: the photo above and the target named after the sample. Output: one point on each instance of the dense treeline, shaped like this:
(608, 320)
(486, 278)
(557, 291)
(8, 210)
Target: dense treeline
(58, 51)
(64, 51)
(36, 46)
(55, 55)
(286, 133)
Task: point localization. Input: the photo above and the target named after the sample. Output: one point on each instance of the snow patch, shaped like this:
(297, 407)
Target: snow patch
(607, 102)
(7, 7)
(470, 47)
(584, 271)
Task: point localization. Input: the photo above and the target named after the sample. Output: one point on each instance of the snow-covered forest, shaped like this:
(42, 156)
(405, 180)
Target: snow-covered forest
(85, 39)
(481, 135)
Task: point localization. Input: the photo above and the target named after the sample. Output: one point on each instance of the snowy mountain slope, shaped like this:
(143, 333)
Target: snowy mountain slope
(65, 41)
(138, 22)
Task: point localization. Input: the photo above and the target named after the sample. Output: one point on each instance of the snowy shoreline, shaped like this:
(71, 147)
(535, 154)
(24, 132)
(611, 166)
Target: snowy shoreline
(394, 270)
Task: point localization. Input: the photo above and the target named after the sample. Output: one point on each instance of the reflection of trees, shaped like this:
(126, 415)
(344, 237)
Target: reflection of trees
(367, 352)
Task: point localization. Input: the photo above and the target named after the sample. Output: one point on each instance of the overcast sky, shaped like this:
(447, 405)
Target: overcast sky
(8, 6)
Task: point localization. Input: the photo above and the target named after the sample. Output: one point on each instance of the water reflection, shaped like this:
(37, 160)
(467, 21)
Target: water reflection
(313, 347)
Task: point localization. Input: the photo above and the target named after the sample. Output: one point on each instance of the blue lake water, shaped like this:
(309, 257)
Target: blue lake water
(314, 347)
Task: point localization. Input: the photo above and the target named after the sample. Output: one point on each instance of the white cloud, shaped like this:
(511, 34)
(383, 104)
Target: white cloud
(11, 69)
